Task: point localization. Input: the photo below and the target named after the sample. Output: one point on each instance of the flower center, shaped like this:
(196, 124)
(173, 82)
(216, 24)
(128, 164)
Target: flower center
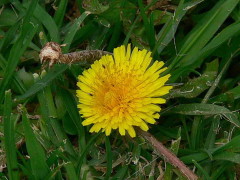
(116, 94)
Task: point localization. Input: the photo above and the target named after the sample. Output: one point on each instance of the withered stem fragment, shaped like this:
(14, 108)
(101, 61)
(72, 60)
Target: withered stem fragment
(168, 155)
(51, 54)
(82, 57)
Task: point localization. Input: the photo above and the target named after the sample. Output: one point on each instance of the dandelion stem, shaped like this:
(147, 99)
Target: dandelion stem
(168, 155)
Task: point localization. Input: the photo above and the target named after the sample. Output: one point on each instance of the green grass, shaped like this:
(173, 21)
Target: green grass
(40, 127)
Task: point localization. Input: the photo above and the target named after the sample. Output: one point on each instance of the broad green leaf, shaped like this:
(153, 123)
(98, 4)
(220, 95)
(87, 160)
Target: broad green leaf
(195, 87)
(233, 93)
(196, 109)
(228, 156)
(4, 2)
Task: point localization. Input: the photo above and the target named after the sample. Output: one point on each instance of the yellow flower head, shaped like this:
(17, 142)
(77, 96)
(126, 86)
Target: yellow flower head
(122, 91)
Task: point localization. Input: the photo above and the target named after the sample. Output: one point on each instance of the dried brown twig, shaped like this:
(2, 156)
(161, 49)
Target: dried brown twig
(167, 154)
(52, 54)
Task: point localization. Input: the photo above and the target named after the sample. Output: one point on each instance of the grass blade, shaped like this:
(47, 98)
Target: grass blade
(9, 139)
(48, 22)
(72, 31)
(9, 36)
(16, 81)
(221, 38)
(194, 156)
(50, 116)
(109, 158)
(197, 123)
(167, 32)
(203, 32)
(27, 33)
(205, 174)
(71, 173)
(14, 57)
(83, 154)
(219, 171)
(71, 107)
(60, 12)
(38, 159)
(42, 83)
(121, 173)
(149, 28)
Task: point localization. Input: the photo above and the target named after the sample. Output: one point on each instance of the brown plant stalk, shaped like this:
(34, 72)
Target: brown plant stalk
(167, 154)
(51, 54)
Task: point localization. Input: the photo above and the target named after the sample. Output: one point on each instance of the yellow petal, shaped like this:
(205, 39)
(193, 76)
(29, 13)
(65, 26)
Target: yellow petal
(122, 131)
(108, 131)
(144, 126)
(131, 132)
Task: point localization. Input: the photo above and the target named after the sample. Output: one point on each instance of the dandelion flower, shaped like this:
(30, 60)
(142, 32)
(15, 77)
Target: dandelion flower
(122, 91)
